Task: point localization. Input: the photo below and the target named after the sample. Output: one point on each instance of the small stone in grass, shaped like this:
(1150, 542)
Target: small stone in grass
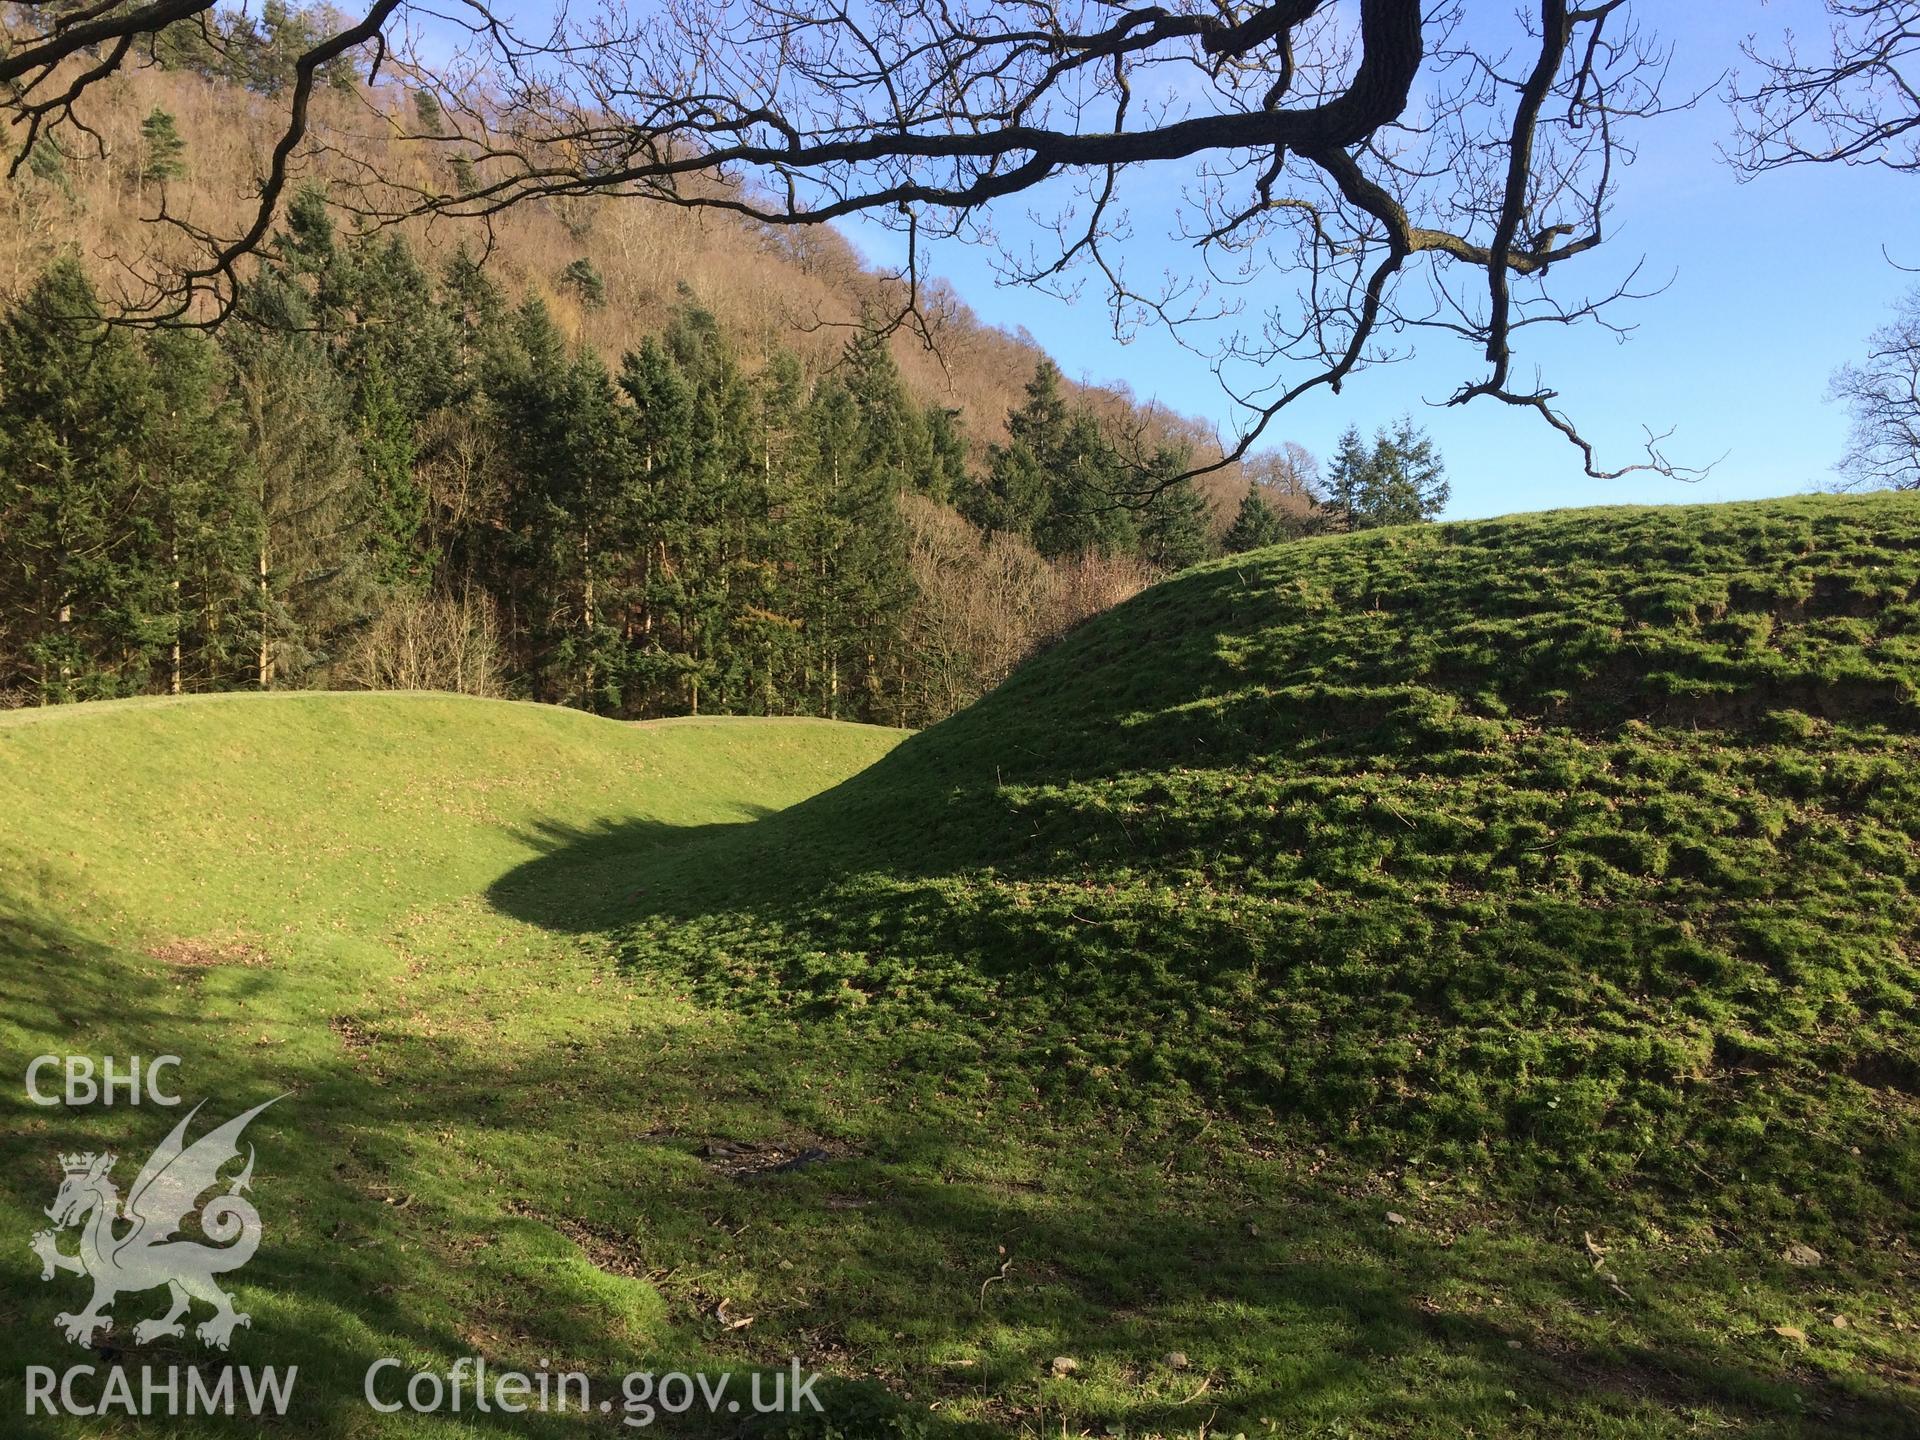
(1064, 1366)
(1791, 1332)
(1394, 1217)
(1840, 1322)
(1174, 1360)
(1801, 1254)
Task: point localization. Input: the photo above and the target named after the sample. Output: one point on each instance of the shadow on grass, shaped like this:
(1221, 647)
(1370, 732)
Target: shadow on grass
(428, 1198)
(587, 877)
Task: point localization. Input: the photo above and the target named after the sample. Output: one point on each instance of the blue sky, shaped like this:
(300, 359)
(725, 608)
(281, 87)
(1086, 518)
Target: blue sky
(1775, 284)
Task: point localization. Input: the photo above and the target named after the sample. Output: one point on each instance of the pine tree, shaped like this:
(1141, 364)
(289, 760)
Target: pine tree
(396, 506)
(194, 455)
(584, 281)
(1409, 479)
(1173, 528)
(571, 517)
(83, 595)
(477, 320)
(313, 579)
(1400, 480)
(773, 583)
(286, 34)
(47, 163)
(855, 544)
(162, 151)
(1056, 481)
(1255, 525)
(1349, 478)
(1089, 503)
(426, 108)
(308, 257)
(390, 321)
(1019, 473)
(891, 439)
(947, 478)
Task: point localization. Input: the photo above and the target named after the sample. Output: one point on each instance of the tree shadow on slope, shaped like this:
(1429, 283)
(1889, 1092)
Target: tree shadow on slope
(429, 1197)
(584, 877)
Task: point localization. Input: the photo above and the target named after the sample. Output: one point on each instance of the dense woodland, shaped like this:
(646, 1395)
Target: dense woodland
(389, 469)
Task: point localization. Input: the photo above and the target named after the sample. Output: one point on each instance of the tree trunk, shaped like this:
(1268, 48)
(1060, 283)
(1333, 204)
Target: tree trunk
(173, 681)
(266, 651)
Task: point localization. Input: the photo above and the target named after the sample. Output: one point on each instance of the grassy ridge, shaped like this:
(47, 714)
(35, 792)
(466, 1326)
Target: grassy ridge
(1576, 849)
(185, 814)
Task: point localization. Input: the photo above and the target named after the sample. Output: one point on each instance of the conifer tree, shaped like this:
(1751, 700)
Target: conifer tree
(946, 479)
(890, 440)
(572, 515)
(195, 459)
(83, 598)
(1019, 474)
(162, 151)
(477, 320)
(1087, 504)
(775, 576)
(1399, 480)
(1256, 524)
(1409, 479)
(313, 579)
(396, 506)
(426, 109)
(1349, 477)
(1173, 528)
(855, 541)
(583, 279)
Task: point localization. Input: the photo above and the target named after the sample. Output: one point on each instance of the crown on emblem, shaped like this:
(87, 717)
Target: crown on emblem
(77, 1164)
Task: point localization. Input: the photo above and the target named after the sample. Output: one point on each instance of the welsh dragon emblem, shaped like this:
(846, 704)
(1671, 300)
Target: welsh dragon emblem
(136, 1246)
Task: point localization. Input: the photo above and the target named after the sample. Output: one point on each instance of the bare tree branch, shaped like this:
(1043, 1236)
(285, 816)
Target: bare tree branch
(1372, 170)
(1854, 100)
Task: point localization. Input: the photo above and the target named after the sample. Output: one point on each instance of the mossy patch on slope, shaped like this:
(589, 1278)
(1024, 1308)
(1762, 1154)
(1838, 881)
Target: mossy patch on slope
(1574, 848)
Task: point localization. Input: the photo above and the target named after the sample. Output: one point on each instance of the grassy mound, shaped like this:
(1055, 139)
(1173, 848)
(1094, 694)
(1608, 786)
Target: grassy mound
(1573, 847)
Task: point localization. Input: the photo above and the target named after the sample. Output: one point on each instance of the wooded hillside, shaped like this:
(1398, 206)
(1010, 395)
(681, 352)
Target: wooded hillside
(608, 454)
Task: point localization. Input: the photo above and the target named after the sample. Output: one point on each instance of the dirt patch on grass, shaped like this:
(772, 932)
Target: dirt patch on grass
(207, 952)
(751, 1159)
(606, 1250)
(1691, 1383)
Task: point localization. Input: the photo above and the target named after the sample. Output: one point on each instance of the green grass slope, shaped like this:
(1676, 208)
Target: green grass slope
(163, 817)
(285, 891)
(1574, 849)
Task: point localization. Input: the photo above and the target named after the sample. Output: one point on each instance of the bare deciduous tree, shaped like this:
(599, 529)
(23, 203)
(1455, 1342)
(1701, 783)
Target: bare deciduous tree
(1853, 100)
(430, 642)
(984, 603)
(1884, 395)
(1374, 171)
